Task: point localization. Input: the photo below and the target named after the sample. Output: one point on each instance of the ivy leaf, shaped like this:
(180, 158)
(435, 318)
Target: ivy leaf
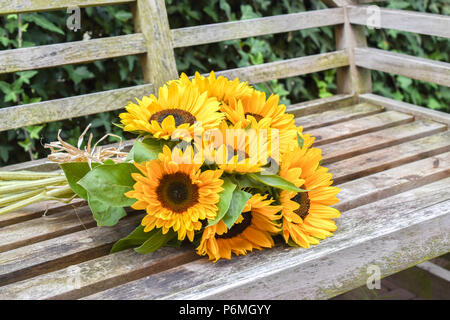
(105, 214)
(74, 171)
(135, 238)
(156, 241)
(146, 150)
(225, 200)
(238, 201)
(275, 181)
(110, 182)
(42, 22)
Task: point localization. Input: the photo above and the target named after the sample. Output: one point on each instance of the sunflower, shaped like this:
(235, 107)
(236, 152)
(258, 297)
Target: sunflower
(236, 150)
(175, 195)
(252, 230)
(221, 88)
(260, 114)
(307, 215)
(178, 110)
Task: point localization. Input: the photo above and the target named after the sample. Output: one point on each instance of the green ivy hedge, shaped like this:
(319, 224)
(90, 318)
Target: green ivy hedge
(48, 28)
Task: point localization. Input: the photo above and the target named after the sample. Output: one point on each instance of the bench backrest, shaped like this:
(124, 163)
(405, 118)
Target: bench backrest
(154, 41)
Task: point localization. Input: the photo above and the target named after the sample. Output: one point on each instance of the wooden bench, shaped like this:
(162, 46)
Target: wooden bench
(391, 159)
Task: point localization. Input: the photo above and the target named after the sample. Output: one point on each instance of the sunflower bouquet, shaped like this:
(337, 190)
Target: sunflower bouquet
(215, 163)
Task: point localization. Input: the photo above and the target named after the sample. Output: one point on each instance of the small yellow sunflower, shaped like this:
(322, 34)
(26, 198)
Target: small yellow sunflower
(260, 114)
(236, 150)
(252, 230)
(177, 111)
(307, 216)
(221, 88)
(175, 195)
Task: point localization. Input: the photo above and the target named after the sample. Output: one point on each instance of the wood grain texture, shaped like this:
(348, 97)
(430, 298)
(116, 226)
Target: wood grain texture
(393, 181)
(192, 36)
(71, 52)
(359, 126)
(380, 139)
(22, 6)
(351, 79)
(333, 116)
(48, 111)
(158, 64)
(405, 65)
(57, 253)
(319, 105)
(287, 68)
(390, 157)
(401, 106)
(403, 20)
(405, 233)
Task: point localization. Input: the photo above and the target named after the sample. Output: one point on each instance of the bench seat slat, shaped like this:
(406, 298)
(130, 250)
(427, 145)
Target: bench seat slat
(403, 64)
(53, 254)
(389, 157)
(359, 126)
(192, 36)
(337, 115)
(23, 6)
(60, 54)
(112, 270)
(280, 272)
(60, 109)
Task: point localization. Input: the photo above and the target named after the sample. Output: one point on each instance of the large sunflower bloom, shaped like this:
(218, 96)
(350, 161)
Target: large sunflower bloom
(260, 114)
(236, 150)
(307, 216)
(252, 230)
(175, 195)
(221, 88)
(177, 111)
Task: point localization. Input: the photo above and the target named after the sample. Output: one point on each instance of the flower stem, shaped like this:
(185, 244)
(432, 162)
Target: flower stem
(29, 185)
(28, 175)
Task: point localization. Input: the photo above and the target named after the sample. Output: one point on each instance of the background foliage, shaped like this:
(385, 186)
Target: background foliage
(47, 28)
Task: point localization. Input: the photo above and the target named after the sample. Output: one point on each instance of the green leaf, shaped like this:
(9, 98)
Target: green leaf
(146, 150)
(156, 241)
(42, 22)
(34, 131)
(225, 200)
(123, 16)
(275, 181)
(74, 171)
(104, 214)
(300, 140)
(110, 182)
(134, 239)
(238, 201)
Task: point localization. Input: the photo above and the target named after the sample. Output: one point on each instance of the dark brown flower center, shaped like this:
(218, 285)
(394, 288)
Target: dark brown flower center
(257, 117)
(176, 192)
(180, 116)
(237, 228)
(303, 200)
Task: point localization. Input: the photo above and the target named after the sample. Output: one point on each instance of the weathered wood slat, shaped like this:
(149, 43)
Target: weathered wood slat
(401, 106)
(405, 65)
(376, 140)
(112, 270)
(192, 36)
(393, 181)
(57, 253)
(394, 234)
(158, 64)
(392, 156)
(53, 110)
(319, 105)
(288, 68)
(359, 126)
(410, 21)
(333, 116)
(9, 7)
(71, 52)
